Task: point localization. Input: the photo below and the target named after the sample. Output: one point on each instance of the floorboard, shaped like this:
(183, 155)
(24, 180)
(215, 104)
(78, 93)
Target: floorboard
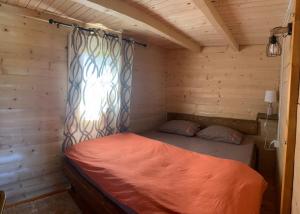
(270, 203)
(63, 203)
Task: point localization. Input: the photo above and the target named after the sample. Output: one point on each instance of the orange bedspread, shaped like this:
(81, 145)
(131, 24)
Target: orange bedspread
(152, 177)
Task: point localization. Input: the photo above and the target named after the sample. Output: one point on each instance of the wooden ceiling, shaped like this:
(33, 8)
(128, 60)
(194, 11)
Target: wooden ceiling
(249, 21)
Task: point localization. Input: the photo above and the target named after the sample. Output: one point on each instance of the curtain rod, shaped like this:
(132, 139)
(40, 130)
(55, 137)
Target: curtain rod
(51, 21)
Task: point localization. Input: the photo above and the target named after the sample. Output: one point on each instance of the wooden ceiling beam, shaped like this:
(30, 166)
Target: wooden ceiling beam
(216, 20)
(123, 10)
(44, 16)
(20, 11)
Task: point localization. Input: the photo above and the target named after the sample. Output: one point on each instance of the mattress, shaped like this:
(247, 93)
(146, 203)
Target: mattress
(218, 186)
(245, 152)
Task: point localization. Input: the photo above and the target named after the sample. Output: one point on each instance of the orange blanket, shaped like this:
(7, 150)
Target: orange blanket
(152, 177)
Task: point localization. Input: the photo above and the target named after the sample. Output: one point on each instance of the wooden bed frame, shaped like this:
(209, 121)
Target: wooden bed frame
(249, 127)
(2, 201)
(91, 200)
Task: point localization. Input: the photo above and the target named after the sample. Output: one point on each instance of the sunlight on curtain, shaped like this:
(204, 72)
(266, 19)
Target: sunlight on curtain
(95, 92)
(99, 86)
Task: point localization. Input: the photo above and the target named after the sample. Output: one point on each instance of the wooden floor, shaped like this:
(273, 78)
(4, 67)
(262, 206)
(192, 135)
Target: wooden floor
(62, 203)
(269, 204)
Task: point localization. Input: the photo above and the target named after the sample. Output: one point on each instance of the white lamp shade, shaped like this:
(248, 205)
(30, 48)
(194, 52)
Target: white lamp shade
(270, 96)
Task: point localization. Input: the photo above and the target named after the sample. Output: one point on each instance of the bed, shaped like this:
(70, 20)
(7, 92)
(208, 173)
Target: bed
(95, 198)
(245, 152)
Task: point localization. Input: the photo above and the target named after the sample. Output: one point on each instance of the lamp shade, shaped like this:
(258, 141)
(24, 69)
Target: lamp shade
(273, 47)
(270, 96)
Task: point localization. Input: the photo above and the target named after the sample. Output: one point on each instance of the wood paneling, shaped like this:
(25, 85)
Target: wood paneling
(283, 107)
(148, 86)
(33, 77)
(249, 21)
(284, 86)
(217, 82)
(33, 82)
(249, 127)
(294, 147)
(288, 153)
(213, 16)
(125, 11)
(220, 82)
(296, 184)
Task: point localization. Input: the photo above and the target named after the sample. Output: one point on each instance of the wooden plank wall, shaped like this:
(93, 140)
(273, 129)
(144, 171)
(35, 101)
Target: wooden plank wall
(220, 82)
(148, 88)
(283, 110)
(296, 184)
(33, 83)
(283, 120)
(33, 76)
(296, 65)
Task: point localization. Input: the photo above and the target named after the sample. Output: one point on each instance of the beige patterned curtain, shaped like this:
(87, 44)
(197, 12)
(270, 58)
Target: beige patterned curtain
(99, 86)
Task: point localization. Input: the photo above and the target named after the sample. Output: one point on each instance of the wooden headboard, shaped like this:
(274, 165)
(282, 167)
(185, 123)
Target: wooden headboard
(249, 127)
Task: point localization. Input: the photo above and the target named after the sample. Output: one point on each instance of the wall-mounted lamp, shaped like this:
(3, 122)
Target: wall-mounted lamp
(274, 46)
(270, 98)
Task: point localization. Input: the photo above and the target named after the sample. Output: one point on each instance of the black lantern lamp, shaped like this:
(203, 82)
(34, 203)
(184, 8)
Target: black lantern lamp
(274, 46)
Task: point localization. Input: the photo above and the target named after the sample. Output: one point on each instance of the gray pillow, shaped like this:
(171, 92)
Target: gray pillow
(221, 134)
(180, 127)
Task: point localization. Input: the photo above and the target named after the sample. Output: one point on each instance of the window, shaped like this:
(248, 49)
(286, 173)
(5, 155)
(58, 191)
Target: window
(96, 89)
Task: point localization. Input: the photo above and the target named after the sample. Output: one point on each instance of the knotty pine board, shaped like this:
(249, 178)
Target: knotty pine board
(220, 82)
(33, 77)
(33, 87)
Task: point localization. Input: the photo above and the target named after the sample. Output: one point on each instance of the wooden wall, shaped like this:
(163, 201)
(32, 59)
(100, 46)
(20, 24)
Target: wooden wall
(220, 82)
(33, 76)
(296, 183)
(283, 109)
(148, 88)
(285, 85)
(33, 83)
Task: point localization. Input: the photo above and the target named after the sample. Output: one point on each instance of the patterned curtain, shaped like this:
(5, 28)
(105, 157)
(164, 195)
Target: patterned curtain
(99, 86)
